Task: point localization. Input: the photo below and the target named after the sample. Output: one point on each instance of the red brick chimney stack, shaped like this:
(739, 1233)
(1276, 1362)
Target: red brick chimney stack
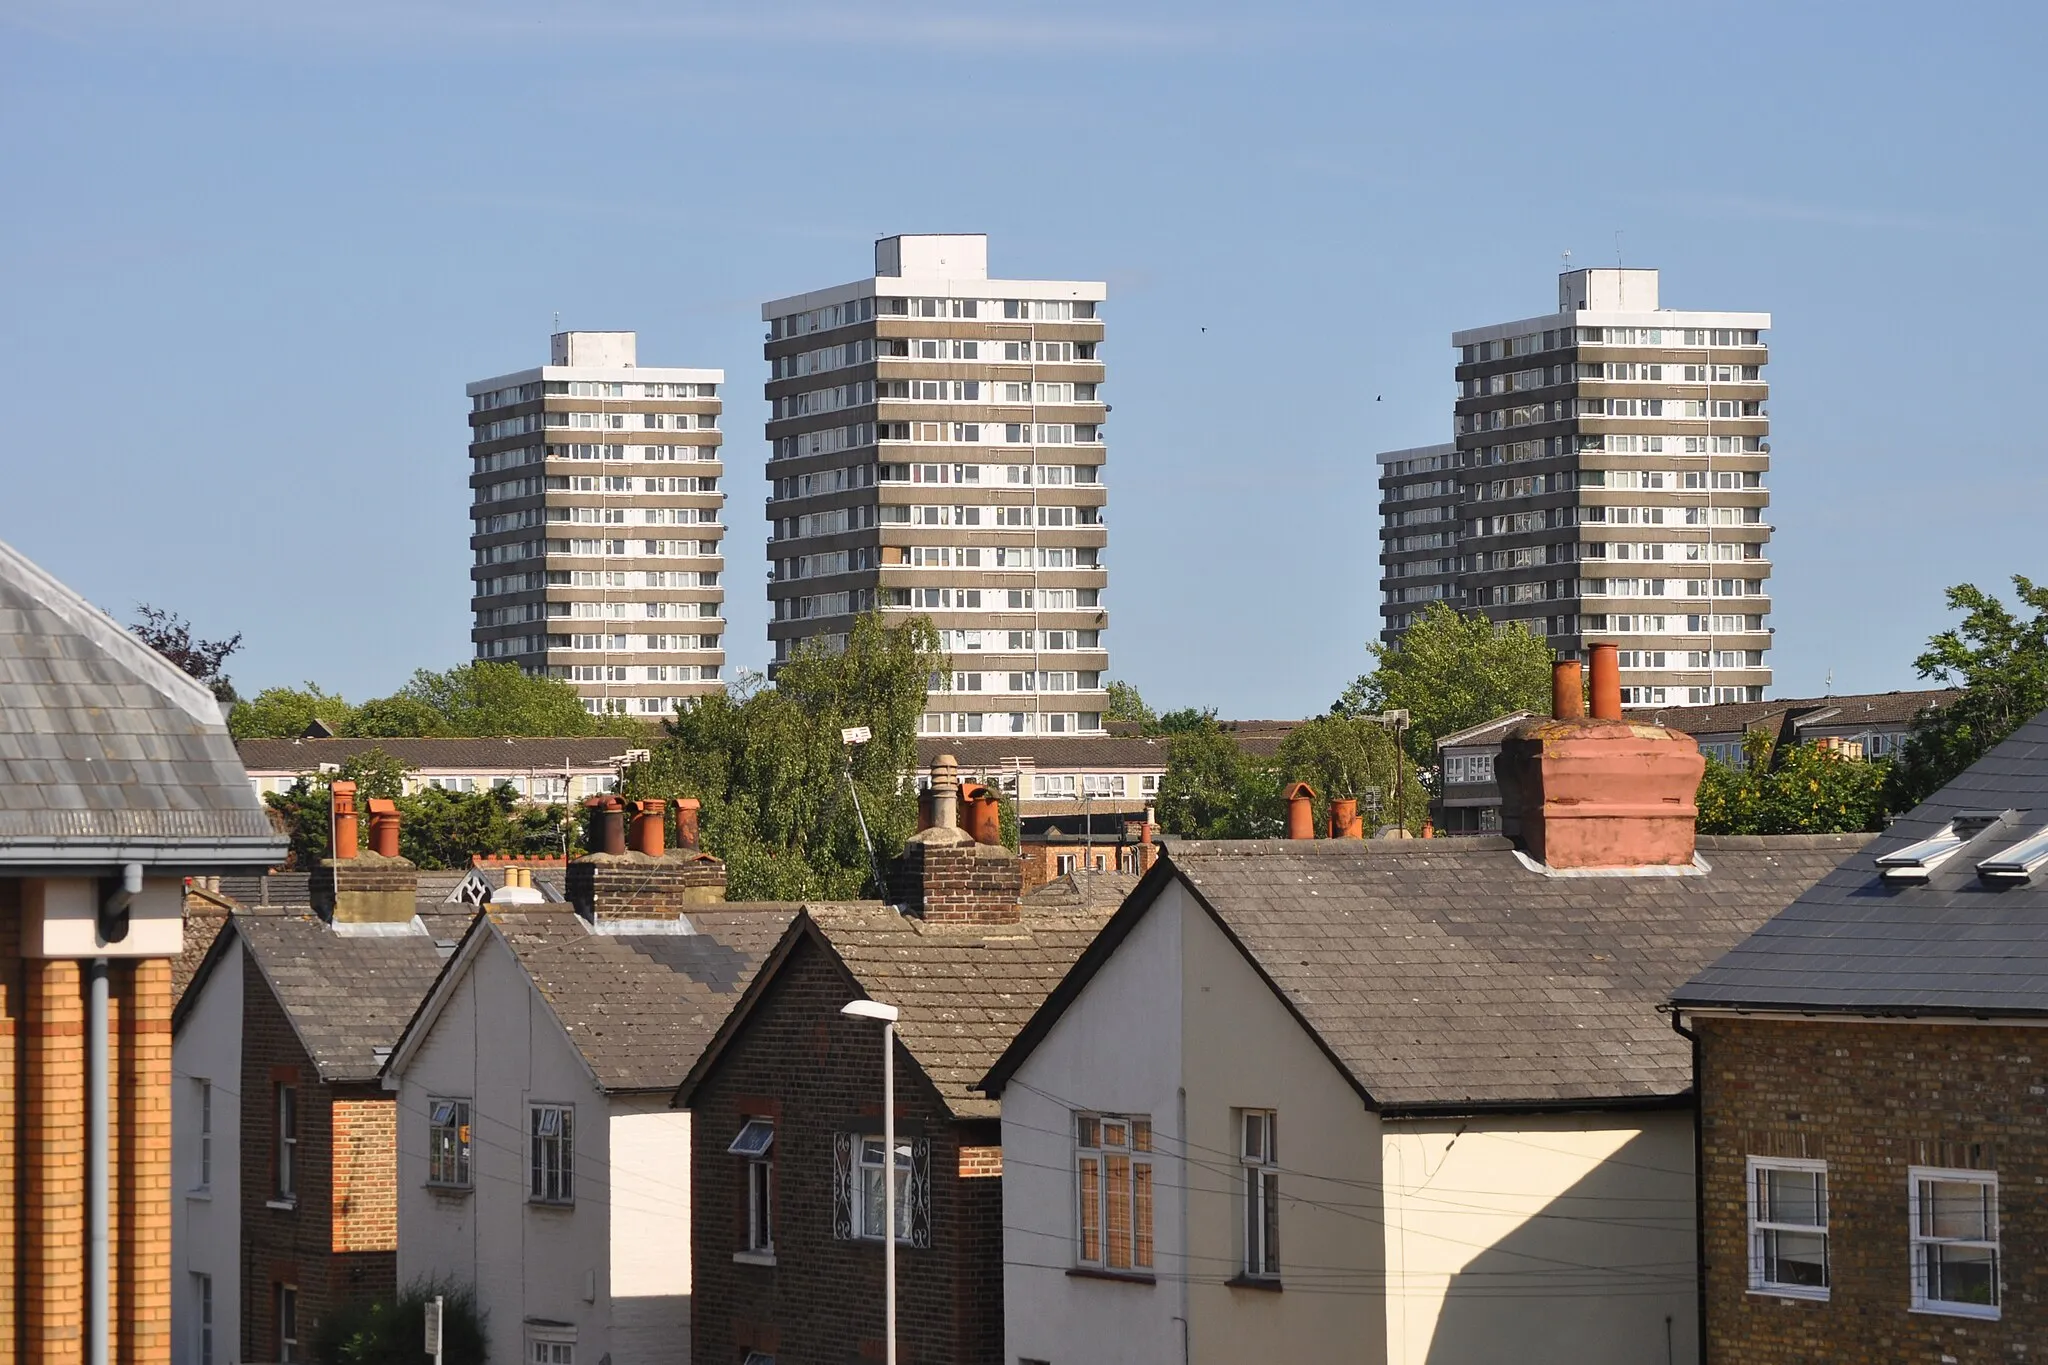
(1599, 791)
(641, 878)
(947, 876)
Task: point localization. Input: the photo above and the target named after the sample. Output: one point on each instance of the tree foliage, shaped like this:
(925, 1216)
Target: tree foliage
(475, 700)
(1126, 705)
(437, 829)
(1450, 671)
(1343, 757)
(1212, 788)
(388, 1331)
(171, 636)
(2001, 658)
(1796, 789)
(772, 773)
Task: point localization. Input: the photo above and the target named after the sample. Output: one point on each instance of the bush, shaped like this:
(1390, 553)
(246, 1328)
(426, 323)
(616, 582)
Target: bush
(393, 1331)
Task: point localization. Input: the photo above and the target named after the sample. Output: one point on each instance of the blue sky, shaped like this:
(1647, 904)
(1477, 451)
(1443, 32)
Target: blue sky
(254, 250)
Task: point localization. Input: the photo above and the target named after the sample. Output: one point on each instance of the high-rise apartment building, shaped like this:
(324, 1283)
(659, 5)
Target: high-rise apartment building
(936, 448)
(598, 545)
(1606, 483)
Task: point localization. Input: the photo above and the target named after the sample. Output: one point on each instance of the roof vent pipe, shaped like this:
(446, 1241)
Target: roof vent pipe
(1606, 683)
(945, 792)
(1567, 690)
(1301, 811)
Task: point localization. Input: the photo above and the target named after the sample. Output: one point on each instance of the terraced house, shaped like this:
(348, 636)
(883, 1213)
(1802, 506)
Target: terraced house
(936, 447)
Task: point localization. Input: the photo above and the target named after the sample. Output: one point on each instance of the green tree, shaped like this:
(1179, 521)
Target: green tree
(1797, 789)
(489, 700)
(1126, 705)
(1349, 758)
(1212, 788)
(2001, 659)
(437, 829)
(389, 1330)
(396, 717)
(285, 712)
(1187, 719)
(1450, 671)
(772, 772)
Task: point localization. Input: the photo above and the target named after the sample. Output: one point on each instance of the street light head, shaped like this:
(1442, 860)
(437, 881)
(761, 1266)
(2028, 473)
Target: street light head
(870, 1009)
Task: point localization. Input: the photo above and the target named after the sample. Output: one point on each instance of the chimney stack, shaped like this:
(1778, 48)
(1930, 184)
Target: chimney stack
(1301, 811)
(946, 875)
(1599, 791)
(646, 881)
(364, 886)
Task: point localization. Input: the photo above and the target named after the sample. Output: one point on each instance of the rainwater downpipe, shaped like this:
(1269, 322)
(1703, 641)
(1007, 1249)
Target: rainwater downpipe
(99, 1319)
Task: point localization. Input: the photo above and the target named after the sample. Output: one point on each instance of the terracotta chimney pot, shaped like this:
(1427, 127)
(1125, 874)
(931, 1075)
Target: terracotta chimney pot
(1301, 811)
(341, 801)
(981, 814)
(1344, 821)
(1567, 690)
(686, 823)
(383, 827)
(649, 837)
(1606, 683)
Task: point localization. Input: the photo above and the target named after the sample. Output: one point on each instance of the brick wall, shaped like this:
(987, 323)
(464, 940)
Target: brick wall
(13, 1042)
(965, 883)
(294, 1245)
(1871, 1100)
(820, 1073)
(365, 1139)
(140, 1131)
(636, 886)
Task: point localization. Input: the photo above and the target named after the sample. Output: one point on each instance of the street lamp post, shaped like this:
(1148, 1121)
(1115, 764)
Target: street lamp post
(888, 1014)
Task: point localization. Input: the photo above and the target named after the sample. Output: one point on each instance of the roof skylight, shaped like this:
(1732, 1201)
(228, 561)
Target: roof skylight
(2019, 862)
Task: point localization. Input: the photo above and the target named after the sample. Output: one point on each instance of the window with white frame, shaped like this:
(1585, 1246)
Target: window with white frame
(285, 1149)
(1788, 1227)
(1113, 1187)
(1955, 1241)
(872, 1207)
(552, 1129)
(202, 1152)
(550, 1350)
(1258, 1155)
(448, 1143)
(756, 1145)
(285, 1298)
(858, 1199)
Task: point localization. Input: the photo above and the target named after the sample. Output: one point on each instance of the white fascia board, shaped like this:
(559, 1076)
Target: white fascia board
(1415, 452)
(657, 374)
(935, 287)
(1669, 317)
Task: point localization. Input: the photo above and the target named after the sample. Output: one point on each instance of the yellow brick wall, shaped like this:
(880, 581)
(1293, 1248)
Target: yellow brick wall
(365, 1175)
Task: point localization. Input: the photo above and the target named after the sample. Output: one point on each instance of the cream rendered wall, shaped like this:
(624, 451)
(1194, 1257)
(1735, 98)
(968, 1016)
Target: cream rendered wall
(496, 1043)
(206, 1227)
(1245, 1050)
(650, 1250)
(1541, 1240)
(1117, 1049)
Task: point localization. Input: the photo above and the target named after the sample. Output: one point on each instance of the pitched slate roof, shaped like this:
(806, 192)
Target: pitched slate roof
(1953, 944)
(641, 1007)
(508, 757)
(108, 754)
(1450, 972)
(1862, 708)
(965, 991)
(1083, 889)
(348, 995)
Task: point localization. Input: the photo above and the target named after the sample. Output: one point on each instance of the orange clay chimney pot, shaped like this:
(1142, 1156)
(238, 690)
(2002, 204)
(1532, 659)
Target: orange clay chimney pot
(1606, 683)
(686, 823)
(981, 815)
(648, 834)
(1301, 811)
(383, 827)
(341, 799)
(1567, 690)
(1344, 821)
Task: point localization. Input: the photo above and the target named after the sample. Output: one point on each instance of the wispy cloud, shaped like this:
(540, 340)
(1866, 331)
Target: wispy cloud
(436, 23)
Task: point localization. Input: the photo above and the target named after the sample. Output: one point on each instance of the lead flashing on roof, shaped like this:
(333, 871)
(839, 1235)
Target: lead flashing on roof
(1698, 867)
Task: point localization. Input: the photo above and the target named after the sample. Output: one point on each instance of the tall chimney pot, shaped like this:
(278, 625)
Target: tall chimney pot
(686, 823)
(1606, 683)
(1301, 811)
(341, 800)
(648, 834)
(1567, 690)
(945, 792)
(383, 827)
(1344, 821)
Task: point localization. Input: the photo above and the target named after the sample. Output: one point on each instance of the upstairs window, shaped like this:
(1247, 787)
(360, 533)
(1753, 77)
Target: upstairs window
(448, 1143)
(285, 1135)
(859, 1165)
(1955, 1241)
(1113, 1185)
(756, 1144)
(1788, 1227)
(1259, 1158)
(552, 1127)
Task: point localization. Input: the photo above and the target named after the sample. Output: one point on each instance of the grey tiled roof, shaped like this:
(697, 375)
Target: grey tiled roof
(1083, 889)
(1448, 972)
(505, 757)
(965, 992)
(641, 1007)
(1952, 944)
(1863, 708)
(107, 752)
(348, 996)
